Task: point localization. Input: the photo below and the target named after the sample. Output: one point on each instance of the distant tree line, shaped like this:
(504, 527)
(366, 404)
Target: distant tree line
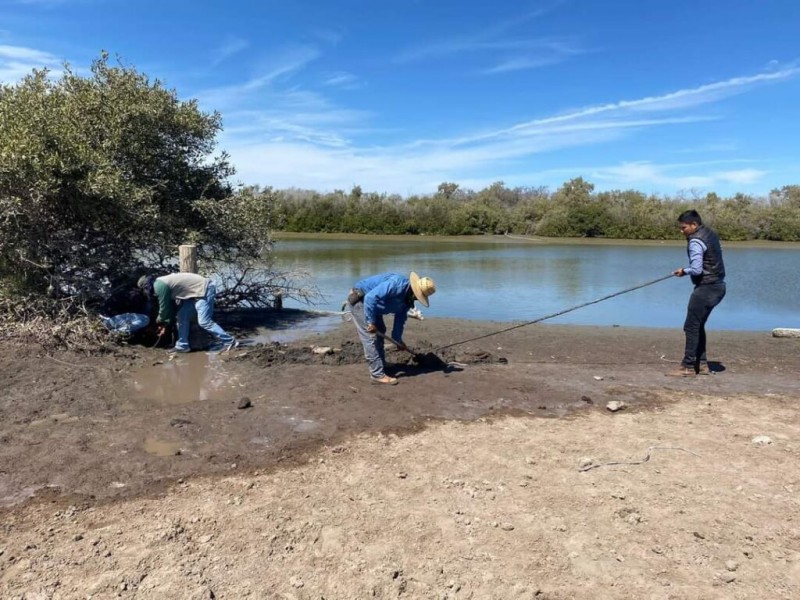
(573, 210)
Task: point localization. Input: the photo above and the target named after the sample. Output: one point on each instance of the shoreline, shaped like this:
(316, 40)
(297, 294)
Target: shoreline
(268, 316)
(519, 239)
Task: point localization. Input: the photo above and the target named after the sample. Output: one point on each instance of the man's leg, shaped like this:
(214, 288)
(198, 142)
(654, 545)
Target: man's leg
(185, 311)
(368, 341)
(205, 312)
(702, 301)
(712, 295)
(380, 343)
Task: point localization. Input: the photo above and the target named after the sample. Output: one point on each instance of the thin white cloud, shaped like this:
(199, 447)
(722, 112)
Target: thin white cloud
(308, 142)
(18, 61)
(490, 37)
(342, 79)
(523, 63)
(277, 67)
(231, 47)
(675, 177)
(499, 45)
(673, 101)
(711, 147)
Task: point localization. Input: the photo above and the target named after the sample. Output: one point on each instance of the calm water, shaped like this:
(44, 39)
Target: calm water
(511, 280)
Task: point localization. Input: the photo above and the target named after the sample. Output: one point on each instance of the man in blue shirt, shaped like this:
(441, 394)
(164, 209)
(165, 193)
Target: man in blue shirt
(378, 295)
(707, 271)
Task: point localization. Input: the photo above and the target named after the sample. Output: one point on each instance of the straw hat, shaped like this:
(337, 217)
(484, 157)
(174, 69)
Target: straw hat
(422, 287)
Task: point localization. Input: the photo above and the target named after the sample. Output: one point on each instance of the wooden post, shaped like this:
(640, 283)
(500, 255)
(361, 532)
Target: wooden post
(188, 258)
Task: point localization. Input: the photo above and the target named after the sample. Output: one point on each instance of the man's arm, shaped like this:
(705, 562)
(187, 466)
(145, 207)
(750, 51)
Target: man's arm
(399, 326)
(696, 251)
(165, 310)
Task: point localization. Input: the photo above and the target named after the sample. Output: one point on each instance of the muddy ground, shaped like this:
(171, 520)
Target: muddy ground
(278, 471)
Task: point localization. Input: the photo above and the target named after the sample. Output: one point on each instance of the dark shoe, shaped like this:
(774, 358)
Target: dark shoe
(703, 369)
(231, 346)
(177, 350)
(681, 372)
(385, 380)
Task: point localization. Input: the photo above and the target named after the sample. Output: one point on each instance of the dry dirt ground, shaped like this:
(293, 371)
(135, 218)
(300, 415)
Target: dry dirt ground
(502, 475)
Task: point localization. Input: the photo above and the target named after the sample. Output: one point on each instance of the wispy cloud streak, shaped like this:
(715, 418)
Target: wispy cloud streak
(315, 143)
(18, 61)
(230, 48)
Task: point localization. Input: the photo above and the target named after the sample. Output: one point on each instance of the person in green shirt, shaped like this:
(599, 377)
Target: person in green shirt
(191, 293)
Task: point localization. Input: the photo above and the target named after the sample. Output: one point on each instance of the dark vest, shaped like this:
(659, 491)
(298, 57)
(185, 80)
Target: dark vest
(713, 266)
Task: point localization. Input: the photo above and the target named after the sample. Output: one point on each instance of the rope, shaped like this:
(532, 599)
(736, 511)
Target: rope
(562, 312)
(589, 467)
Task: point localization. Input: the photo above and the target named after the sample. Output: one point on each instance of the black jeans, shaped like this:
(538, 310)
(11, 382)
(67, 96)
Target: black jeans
(702, 301)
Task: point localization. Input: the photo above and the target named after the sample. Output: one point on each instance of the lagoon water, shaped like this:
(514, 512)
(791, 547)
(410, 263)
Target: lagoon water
(510, 280)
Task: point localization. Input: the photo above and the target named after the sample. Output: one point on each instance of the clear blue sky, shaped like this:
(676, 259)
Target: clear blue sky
(398, 96)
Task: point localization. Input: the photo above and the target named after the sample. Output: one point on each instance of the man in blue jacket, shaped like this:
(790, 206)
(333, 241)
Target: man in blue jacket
(378, 295)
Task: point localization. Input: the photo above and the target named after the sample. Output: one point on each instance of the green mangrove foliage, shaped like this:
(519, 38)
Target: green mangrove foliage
(573, 210)
(101, 178)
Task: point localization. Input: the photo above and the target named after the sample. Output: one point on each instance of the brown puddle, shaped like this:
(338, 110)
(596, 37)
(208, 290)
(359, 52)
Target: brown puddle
(161, 448)
(186, 378)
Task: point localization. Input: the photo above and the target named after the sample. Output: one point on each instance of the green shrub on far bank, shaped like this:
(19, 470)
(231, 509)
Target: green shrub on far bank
(573, 210)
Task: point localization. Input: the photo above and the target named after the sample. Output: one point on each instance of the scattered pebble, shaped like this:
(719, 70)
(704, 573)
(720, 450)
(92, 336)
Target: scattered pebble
(615, 405)
(296, 582)
(587, 399)
(586, 462)
(402, 475)
(598, 378)
(507, 527)
(206, 538)
(761, 440)
(245, 402)
(728, 577)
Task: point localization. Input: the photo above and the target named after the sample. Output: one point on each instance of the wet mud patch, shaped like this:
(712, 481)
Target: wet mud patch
(348, 352)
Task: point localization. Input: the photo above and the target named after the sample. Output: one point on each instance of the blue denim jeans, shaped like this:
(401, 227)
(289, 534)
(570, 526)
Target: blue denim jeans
(702, 301)
(205, 310)
(374, 350)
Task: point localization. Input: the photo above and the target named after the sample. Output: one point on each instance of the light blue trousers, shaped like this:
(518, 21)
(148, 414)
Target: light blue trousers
(205, 311)
(374, 350)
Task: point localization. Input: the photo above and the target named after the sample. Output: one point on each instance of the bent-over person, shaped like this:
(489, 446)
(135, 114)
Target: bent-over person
(372, 298)
(192, 293)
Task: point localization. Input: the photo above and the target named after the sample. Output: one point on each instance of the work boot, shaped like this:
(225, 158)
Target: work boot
(681, 371)
(703, 369)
